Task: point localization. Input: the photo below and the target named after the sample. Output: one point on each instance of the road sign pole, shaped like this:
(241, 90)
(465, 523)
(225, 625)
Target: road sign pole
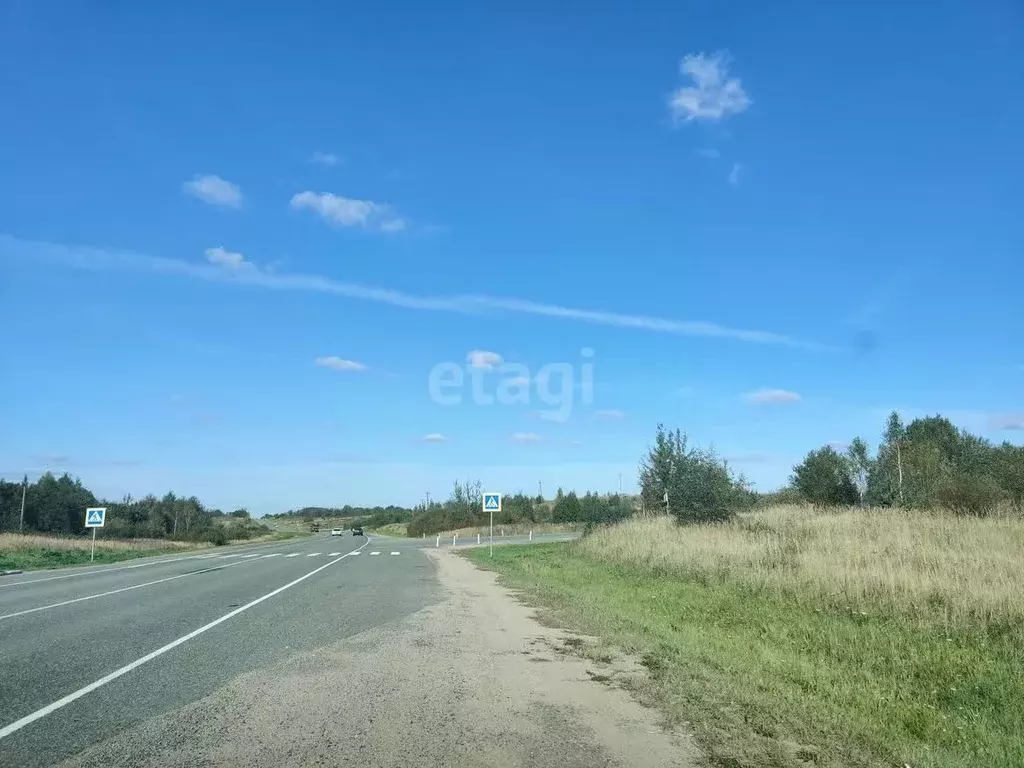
(93, 555)
(492, 531)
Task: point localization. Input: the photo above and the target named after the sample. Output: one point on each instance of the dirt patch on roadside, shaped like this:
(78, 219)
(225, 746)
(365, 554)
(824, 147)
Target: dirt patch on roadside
(475, 680)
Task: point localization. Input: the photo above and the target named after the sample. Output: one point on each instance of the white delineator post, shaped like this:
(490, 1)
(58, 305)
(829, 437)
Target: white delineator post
(478, 537)
(531, 535)
(454, 538)
(438, 543)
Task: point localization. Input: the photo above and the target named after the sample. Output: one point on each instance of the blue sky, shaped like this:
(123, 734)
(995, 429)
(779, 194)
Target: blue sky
(235, 240)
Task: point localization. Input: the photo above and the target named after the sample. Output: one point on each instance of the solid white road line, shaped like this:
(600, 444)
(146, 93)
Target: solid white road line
(17, 725)
(115, 591)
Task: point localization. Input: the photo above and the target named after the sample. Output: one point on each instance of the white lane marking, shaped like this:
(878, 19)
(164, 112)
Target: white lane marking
(115, 591)
(394, 553)
(274, 554)
(294, 554)
(375, 553)
(355, 552)
(312, 554)
(113, 570)
(17, 725)
(255, 555)
(334, 554)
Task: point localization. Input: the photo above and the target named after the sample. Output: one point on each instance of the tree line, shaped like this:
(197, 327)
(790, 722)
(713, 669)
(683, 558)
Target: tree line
(463, 509)
(56, 505)
(926, 463)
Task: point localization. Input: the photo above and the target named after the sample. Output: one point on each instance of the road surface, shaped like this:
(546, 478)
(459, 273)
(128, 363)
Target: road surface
(320, 651)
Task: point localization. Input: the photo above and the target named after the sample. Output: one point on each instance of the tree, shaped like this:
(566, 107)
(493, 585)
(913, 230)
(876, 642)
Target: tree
(858, 466)
(567, 509)
(692, 484)
(823, 479)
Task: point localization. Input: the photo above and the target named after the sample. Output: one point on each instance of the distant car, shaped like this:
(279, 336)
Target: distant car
(357, 531)
(336, 532)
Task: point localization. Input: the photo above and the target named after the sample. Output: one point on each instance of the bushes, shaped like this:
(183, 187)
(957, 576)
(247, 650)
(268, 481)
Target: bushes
(692, 484)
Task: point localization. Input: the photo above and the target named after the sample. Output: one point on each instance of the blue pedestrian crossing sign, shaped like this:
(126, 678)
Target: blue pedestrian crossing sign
(94, 517)
(492, 502)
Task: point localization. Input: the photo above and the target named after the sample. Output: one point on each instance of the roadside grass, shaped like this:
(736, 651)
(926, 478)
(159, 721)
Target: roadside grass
(25, 552)
(392, 529)
(510, 529)
(797, 638)
(29, 551)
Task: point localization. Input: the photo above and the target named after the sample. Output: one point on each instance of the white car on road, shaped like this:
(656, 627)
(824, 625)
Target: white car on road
(335, 531)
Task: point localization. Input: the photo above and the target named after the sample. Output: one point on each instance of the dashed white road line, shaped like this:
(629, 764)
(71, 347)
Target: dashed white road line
(273, 554)
(313, 554)
(116, 591)
(394, 553)
(17, 725)
(334, 554)
(255, 555)
(375, 553)
(354, 553)
(294, 554)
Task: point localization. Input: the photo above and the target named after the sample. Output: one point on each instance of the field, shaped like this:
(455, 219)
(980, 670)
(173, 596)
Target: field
(797, 638)
(35, 551)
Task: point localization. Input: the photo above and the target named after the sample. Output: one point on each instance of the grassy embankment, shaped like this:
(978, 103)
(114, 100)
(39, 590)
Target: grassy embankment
(797, 638)
(24, 552)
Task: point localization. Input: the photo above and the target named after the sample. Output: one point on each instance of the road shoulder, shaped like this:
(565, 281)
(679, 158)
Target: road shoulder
(473, 680)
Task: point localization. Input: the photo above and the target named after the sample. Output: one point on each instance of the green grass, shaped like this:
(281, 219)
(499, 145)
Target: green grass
(771, 680)
(35, 558)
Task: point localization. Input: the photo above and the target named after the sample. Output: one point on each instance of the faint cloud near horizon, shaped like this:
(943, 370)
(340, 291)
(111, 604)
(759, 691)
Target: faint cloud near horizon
(336, 363)
(766, 396)
(324, 158)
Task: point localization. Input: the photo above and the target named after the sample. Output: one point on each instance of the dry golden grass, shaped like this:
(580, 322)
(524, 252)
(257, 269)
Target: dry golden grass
(13, 541)
(929, 564)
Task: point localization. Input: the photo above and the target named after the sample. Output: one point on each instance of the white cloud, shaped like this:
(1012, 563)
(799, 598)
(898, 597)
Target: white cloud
(339, 364)
(762, 396)
(228, 259)
(434, 437)
(713, 95)
(479, 358)
(1007, 421)
(350, 212)
(214, 190)
(734, 174)
(711, 154)
(471, 304)
(610, 414)
(526, 437)
(324, 158)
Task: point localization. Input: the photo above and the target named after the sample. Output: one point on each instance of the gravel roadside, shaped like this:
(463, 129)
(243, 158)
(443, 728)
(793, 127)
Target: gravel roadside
(474, 680)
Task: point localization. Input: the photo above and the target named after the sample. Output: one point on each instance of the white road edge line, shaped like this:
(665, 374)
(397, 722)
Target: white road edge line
(116, 591)
(17, 725)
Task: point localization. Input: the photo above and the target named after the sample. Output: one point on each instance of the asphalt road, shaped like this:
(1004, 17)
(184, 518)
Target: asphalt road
(89, 652)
